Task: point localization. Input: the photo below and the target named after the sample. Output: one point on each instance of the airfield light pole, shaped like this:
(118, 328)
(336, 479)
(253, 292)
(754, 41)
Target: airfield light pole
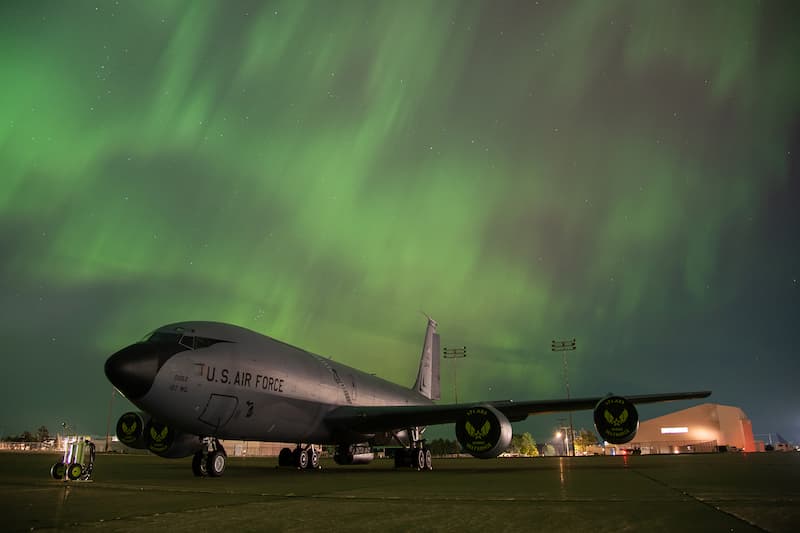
(564, 347)
(561, 434)
(454, 353)
(108, 419)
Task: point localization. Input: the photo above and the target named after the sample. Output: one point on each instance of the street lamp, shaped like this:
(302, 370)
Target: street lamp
(565, 346)
(454, 353)
(563, 436)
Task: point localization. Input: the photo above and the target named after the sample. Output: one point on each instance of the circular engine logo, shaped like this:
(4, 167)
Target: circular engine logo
(159, 437)
(129, 428)
(478, 430)
(616, 419)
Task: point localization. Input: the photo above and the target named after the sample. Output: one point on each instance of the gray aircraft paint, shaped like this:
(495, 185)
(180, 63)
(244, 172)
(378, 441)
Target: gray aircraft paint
(245, 385)
(254, 387)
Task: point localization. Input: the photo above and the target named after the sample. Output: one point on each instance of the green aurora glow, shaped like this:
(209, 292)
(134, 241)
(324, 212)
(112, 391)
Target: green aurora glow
(619, 171)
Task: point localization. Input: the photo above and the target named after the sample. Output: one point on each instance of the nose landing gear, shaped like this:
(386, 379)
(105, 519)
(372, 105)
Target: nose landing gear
(211, 460)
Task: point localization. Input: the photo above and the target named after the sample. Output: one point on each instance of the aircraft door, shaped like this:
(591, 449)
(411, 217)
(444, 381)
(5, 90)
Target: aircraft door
(219, 410)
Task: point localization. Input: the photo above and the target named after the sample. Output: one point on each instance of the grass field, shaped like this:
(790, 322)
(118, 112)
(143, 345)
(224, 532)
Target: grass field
(722, 492)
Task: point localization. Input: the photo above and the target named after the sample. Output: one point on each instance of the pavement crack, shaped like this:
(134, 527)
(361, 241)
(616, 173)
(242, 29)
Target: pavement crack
(698, 499)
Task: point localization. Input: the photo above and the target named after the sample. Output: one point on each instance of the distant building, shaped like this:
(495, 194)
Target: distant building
(704, 428)
(244, 448)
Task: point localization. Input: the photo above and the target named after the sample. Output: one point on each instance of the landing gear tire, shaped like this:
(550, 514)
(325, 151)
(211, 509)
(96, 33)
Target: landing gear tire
(301, 459)
(401, 458)
(74, 471)
(410, 458)
(420, 459)
(313, 459)
(199, 465)
(285, 458)
(58, 470)
(428, 459)
(215, 464)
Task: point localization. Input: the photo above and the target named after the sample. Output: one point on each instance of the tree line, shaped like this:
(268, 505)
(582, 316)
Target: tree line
(523, 445)
(40, 435)
(520, 445)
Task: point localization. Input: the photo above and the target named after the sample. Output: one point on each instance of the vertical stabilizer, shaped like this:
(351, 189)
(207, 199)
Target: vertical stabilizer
(427, 383)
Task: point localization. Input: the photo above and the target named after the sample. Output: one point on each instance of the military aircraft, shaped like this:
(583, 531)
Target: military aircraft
(198, 382)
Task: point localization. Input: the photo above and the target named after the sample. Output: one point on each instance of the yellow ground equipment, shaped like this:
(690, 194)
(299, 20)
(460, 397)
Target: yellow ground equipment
(78, 461)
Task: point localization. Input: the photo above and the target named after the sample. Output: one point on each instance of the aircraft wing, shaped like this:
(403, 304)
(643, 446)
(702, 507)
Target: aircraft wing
(370, 419)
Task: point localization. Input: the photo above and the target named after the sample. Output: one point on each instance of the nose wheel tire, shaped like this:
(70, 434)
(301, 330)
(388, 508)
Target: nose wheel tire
(199, 467)
(215, 464)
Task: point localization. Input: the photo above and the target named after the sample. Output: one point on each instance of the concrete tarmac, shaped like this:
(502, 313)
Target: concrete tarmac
(703, 492)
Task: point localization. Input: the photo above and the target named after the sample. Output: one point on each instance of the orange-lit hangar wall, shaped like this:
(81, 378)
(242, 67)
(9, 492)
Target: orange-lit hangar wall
(696, 429)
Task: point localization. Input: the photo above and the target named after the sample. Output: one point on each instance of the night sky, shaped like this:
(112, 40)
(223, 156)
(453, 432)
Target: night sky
(621, 172)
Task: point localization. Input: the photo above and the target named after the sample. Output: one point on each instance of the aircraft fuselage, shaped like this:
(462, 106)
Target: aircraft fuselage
(252, 387)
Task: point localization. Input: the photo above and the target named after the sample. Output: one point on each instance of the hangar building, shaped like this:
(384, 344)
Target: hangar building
(704, 428)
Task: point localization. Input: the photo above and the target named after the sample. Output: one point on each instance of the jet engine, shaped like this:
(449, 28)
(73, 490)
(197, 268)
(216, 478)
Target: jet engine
(139, 430)
(353, 454)
(616, 419)
(483, 431)
(167, 441)
(130, 429)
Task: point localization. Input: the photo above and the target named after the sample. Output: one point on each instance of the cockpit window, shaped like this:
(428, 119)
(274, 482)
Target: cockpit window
(187, 341)
(165, 337)
(204, 342)
(190, 342)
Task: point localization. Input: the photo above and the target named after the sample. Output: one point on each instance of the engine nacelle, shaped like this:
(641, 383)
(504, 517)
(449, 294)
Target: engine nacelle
(130, 429)
(616, 419)
(166, 441)
(483, 432)
(353, 454)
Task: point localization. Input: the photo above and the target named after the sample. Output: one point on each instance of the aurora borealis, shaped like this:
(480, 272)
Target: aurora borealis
(621, 172)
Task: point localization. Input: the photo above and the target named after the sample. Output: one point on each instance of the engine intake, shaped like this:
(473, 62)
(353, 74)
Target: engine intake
(483, 431)
(616, 419)
(166, 441)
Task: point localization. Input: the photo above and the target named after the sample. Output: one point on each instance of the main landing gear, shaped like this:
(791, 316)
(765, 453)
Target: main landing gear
(416, 458)
(211, 460)
(416, 455)
(302, 458)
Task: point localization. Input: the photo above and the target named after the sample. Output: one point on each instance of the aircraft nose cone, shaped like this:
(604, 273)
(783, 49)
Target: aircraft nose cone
(133, 369)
